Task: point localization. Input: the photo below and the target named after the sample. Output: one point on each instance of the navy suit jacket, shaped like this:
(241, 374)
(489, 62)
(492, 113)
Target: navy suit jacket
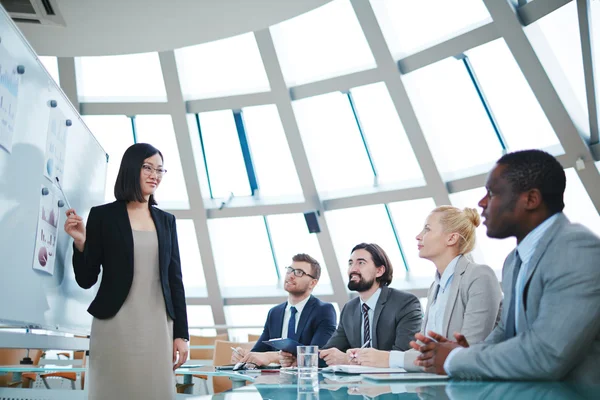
(316, 325)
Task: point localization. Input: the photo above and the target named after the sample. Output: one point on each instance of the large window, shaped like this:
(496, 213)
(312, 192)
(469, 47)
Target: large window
(216, 69)
(555, 39)
(409, 26)
(224, 159)
(197, 150)
(270, 152)
(132, 77)
(409, 219)
(578, 205)
(115, 134)
(200, 316)
(322, 43)
(520, 117)
(250, 317)
(595, 28)
(461, 138)
(158, 131)
(333, 143)
(191, 263)
(368, 224)
(390, 149)
(243, 256)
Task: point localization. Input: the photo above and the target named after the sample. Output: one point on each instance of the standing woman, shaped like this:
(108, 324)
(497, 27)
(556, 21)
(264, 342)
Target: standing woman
(140, 324)
(464, 297)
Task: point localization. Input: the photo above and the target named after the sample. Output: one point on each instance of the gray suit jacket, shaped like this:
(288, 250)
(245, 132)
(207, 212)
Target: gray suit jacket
(397, 317)
(473, 307)
(560, 312)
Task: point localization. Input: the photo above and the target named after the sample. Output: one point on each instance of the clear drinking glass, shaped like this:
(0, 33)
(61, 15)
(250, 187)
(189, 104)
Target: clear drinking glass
(308, 389)
(308, 361)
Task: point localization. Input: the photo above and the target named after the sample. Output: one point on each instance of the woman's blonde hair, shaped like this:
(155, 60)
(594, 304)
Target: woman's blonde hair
(463, 222)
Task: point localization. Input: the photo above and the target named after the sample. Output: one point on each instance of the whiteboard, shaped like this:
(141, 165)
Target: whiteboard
(29, 297)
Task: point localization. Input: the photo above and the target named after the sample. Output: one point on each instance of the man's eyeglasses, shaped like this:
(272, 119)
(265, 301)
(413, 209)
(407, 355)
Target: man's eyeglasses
(148, 170)
(297, 272)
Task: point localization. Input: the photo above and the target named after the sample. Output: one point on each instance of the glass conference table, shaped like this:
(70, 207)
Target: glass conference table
(285, 385)
(238, 379)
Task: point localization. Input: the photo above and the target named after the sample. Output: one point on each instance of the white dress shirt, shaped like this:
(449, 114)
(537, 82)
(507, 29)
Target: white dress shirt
(437, 309)
(525, 249)
(287, 315)
(372, 303)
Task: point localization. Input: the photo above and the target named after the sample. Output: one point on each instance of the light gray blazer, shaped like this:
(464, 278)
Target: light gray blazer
(560, 312)
(473, 307)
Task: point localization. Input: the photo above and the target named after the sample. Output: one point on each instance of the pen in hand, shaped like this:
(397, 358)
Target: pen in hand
(367, 343)
(237, 352)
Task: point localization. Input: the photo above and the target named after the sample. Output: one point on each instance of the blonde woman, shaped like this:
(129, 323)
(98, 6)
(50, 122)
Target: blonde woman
(465, 297)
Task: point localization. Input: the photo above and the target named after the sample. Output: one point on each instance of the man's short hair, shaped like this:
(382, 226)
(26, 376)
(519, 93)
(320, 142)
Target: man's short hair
(314, 264)
(536, 169)
(380, 258)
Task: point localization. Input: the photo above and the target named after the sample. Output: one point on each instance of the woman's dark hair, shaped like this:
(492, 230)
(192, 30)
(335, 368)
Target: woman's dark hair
(380, 258)
(128, 187)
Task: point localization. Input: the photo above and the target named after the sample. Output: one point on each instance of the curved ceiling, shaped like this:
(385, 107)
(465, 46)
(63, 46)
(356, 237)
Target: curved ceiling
(108, 27)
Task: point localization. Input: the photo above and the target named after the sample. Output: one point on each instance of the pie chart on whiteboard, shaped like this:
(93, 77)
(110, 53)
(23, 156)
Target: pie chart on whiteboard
(50, 166)
(43, 256)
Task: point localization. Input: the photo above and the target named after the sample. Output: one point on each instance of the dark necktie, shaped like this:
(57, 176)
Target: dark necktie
(436, 291)
(292, 324)
(366, 325)
(510, 327)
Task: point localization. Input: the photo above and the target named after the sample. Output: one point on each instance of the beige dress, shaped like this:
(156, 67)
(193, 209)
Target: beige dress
(131, 354)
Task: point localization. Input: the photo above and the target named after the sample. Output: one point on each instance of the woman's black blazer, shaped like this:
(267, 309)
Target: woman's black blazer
(109, 242)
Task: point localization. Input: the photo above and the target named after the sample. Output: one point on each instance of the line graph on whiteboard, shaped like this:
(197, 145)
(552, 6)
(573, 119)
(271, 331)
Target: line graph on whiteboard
(9, 96)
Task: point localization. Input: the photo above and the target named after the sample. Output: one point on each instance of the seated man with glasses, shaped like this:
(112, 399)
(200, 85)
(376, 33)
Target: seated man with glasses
(302, 317)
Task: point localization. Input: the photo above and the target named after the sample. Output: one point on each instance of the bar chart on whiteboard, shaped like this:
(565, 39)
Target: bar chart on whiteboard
(44, 255)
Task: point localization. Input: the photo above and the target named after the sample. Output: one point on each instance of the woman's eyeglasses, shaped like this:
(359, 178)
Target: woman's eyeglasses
(148, 169)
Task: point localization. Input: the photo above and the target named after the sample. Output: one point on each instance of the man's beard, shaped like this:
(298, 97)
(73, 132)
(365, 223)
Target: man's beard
(361, 285)
(296, 291)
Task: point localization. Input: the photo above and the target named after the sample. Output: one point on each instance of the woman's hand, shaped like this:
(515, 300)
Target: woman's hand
(180, 346)
(75, 228)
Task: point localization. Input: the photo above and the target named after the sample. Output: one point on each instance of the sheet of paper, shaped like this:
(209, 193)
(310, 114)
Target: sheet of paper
(56, 146)
(360, 369)
(9, 96)
(47, 230)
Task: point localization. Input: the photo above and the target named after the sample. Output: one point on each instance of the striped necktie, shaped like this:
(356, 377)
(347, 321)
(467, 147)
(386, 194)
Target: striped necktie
(366, 325)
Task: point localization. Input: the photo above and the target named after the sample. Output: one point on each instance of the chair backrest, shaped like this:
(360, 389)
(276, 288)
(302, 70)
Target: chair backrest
(14, 357)
(204, 354)
(222, 356)
(253, 338)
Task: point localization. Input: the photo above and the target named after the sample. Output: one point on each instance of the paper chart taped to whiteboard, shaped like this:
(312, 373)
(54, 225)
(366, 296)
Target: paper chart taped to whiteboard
(56, 146)
(9, 96)
(44, 255)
